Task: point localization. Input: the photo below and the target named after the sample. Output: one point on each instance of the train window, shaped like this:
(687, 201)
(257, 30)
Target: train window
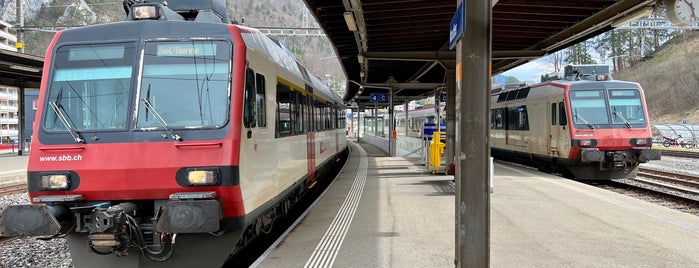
(343, 115)
(518, 118)
(186, 83)
(90, 86)
(498, 119)
(326, 117)
(297, 112)
(512, 95)
(562, 118)
(523, 93)
(283, 110)
(502, 97)
(553, 114)
(249, 100)
(318, 115)
(261, 101)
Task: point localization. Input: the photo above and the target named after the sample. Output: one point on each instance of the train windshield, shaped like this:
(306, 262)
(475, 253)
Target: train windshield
(606, 108)
(90, 87)
(626, 106)
(185, 84)
(589, 107)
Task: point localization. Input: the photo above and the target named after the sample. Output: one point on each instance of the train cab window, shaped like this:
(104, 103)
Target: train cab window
(185, 84)
(249, 100)
(589, 107)
(553, 114)
(90, 87)
(261, 101)
(626, 107)
(562, 118)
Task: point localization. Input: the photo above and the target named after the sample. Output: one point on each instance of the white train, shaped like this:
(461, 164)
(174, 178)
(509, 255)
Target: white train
(173, 125)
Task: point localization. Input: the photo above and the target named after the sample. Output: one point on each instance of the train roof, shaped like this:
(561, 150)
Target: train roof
(278, 53)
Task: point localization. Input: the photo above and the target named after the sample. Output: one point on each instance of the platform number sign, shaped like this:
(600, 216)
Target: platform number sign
(457, 25)
(378, 97)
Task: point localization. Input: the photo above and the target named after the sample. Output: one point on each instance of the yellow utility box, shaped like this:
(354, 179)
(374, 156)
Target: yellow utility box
(436, 151)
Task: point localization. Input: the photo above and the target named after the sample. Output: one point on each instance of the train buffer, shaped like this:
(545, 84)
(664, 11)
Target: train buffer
(436, 151)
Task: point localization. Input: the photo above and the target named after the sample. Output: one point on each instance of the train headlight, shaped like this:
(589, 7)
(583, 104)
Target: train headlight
(202, 177)
(55, 182)
(585, 142)
(639, 141)
(145, 12)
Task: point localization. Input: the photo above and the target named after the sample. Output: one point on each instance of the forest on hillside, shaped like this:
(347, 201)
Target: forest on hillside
(664, 62)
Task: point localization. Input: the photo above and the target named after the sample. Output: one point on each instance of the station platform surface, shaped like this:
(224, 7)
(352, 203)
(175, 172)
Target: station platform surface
(13, 167)
(391, 212)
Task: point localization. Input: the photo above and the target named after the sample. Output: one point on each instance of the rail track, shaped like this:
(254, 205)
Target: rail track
(676, 186)
(13, 188)
(680, 153)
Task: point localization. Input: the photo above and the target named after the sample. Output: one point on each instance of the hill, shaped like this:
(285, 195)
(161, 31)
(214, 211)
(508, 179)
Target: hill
(670, 79)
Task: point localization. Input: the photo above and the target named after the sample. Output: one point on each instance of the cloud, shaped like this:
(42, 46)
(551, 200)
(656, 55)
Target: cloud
(530, 72)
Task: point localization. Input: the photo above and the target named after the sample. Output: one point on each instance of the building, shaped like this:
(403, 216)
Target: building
(9, 116)
(8, 36)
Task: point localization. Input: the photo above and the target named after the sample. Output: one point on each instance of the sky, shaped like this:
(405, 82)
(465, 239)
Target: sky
(530, 72)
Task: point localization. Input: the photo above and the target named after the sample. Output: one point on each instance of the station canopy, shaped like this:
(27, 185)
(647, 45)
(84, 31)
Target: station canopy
(404, 45)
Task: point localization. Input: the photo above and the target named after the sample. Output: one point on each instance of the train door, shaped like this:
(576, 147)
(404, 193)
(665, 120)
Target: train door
(557, 122)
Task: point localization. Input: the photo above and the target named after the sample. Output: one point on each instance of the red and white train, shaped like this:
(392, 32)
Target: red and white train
(584, 126)
(171, 137)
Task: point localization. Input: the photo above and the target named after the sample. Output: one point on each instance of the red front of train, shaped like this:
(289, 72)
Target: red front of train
(137, 140)
(609, 127)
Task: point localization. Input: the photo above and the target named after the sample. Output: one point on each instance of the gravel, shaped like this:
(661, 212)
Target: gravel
(33, 252)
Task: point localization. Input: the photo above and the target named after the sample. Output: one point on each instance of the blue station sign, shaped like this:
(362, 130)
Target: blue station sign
(457, 25)
(378, 97)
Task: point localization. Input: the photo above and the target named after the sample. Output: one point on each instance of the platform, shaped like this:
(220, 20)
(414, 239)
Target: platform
(13, 167)
(390, 212)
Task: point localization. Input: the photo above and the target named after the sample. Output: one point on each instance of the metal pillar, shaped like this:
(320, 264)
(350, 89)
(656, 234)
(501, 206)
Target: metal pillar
(407, 120)
(391, 125)
(20, 23)
(473, 56)
(359, 118)
(20, 112)
(451, 124)
(376, 119)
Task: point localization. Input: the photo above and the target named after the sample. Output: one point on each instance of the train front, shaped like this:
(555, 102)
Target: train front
(610, 129)
(135, 149)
